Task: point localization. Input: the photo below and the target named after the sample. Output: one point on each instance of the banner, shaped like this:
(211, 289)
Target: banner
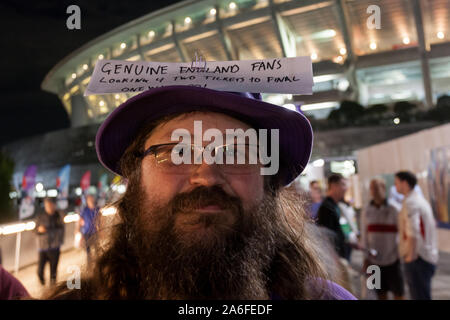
(279, 75)
(26, 207)
(85, 181)
(62, 184)
(29, 178)
(439, 184)
(102, 189)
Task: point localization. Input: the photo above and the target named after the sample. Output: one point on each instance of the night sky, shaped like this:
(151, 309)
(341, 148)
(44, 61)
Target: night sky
(34, 38)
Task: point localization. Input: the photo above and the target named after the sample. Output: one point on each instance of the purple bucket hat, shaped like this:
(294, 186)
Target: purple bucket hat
(119, 130)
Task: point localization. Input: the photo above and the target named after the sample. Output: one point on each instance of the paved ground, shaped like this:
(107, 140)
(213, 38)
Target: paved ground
(77, 257)
(440, 283)
(28, 275)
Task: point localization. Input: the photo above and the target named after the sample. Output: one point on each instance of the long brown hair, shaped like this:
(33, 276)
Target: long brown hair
(300, 258)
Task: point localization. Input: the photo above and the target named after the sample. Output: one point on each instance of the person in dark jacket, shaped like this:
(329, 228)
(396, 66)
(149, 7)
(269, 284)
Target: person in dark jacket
(329, 214)
(50, 230)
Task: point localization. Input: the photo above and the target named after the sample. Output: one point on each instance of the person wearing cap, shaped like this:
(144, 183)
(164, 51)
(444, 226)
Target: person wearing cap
(201, 229)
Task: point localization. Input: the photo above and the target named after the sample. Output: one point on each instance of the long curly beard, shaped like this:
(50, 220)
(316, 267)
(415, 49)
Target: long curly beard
(230, 259)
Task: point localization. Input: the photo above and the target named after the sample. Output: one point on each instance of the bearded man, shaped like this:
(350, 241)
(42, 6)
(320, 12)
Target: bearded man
(202, 230)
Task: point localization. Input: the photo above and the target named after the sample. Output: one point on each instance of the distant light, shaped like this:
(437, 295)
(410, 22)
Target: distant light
(342, 51)
(108, 211)
(277, 99)
(373, 45)
(123, 45)
(213, 12)
(348, 164)
(117, 97)
(290, 106)
(151, 34)
(343, 85)
(41, 194)
(13, 195)
(318, 106)
(100, 57)
(318, 163)
(78, 191)
(440, 35)
(324, 34)
(52, 192)
(71, 218)
(121, 188)
(74, 75)
(339, 59)
(314, 56)
(85, 66)
(406, 40)
(324, 78)
(101, 103)
(13, 228)
(232, 5)
(39, 187)
(30, 226)
(187, 20)
(396, 120)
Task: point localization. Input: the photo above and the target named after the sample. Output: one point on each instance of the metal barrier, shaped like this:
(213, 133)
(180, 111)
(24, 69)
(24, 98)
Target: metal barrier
(18, 242)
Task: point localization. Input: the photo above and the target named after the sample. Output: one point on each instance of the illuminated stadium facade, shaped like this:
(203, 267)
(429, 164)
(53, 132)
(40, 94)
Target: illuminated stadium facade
(350, 61)
(407, 58)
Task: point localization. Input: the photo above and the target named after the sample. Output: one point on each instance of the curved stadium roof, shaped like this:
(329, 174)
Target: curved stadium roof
(345, 52)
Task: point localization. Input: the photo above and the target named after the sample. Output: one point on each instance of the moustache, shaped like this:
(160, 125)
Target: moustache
(205, 196)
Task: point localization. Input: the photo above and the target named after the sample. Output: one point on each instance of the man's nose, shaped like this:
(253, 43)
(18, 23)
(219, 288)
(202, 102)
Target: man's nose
(206, 175)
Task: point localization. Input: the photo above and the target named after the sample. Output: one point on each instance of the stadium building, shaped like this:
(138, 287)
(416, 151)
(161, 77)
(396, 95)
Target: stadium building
(368, 51)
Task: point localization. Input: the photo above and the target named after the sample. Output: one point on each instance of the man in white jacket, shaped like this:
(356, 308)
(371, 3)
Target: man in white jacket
(418, 239)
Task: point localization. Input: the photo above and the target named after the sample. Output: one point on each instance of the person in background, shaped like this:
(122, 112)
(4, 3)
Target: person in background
(10, 287)
(418, 237)
(349, 225)
(50, 231)
(329, 214)
(315, 194)
(379, 232)
(88, 227)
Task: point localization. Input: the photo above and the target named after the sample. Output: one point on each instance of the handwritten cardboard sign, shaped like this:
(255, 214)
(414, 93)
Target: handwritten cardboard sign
(283, 75)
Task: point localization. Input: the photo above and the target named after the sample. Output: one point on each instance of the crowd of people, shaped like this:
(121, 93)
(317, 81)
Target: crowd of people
(402, 242)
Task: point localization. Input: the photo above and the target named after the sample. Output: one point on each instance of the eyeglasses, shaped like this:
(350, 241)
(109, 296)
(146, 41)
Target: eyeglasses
(177, 158)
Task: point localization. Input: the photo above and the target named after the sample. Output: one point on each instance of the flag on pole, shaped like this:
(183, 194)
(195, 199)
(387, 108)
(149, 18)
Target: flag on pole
(62, 184)
(102, 189)
(26, 207)
(85, 181)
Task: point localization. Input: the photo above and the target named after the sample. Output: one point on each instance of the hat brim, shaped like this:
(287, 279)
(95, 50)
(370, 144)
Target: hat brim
(121, 127)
